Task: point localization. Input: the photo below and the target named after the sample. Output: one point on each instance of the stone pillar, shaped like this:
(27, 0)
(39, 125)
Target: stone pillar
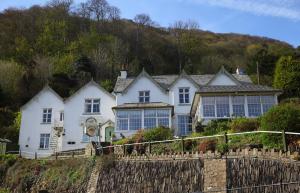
(215, 175)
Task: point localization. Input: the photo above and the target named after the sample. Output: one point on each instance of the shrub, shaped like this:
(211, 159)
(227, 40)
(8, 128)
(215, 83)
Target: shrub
(283, 117)
(207, 145)
(244, 124)
(216, 126)
(156, 134)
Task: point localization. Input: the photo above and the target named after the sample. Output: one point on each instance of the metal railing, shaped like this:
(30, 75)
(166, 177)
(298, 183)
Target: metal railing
(225, 136)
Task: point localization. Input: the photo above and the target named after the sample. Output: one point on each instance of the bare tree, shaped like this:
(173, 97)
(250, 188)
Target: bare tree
(84, 10)
(99, 8)
(61, 4)
(114, 13)
(143, 19)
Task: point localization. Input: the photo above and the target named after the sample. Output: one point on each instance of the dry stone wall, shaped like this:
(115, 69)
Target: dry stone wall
(249, 173)
(172, 176)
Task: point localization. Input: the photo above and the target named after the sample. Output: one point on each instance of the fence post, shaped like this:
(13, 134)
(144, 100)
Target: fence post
(124, 150)
(20, 153)
(149, 147)
(226, 142)
(284, 141)
(182, 144)
(35, 155)
(56, 155)
(73, 154)
(91, 151)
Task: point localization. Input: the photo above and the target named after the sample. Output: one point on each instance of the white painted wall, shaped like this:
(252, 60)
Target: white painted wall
(74, 114)
(222, 79)
(31, 122)
(143, 84)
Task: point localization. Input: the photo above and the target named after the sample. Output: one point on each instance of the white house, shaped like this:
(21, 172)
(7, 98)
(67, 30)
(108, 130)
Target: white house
(227, 96)
(50, 124)
(176, 101)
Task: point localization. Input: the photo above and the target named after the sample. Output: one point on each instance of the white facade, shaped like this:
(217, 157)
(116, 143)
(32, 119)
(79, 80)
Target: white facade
(66, 129)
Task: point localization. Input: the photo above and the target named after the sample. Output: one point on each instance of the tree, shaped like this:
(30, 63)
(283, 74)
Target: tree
(287, 76)
(99, 8)
(143, 19)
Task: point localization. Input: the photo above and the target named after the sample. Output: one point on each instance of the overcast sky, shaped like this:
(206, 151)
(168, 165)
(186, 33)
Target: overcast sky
(278, 19)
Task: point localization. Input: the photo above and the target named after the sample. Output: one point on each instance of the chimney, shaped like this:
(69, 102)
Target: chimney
(239, 71)
(123, 72)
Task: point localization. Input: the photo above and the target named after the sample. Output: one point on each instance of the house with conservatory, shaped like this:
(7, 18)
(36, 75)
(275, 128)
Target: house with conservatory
(52, 124)
(178, 101)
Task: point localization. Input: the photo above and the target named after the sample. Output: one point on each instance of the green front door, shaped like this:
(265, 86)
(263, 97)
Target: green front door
(108, 133)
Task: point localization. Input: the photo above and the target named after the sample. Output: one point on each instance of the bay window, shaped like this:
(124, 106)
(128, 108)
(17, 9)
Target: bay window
(132, 119)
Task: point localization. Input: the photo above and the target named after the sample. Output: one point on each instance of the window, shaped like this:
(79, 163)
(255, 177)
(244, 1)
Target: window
(163, 118)
(135, 120)
(222, 104)
(144, 96)
(238, 106)
(47, 114)
(122, 120)
(184, 95)
(184, 124)
(44, 140)
(129, 120)
(254, 107)
(154, 118)
(61, 116)
(132, 120)
(267, 102)
(208, 106)
(92, 106)
(149, 119)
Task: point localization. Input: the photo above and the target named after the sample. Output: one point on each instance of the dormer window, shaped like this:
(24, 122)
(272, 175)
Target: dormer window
(144, 96)
(184, 95)
(92, 106)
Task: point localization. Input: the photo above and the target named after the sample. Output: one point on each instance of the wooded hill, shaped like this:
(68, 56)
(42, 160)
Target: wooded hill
(65, 45)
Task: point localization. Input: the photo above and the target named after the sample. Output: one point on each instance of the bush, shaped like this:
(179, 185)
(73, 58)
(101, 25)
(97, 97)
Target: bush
(244, 124)
(157, 134)
(216, 126)
(283, 117)
(207, 145)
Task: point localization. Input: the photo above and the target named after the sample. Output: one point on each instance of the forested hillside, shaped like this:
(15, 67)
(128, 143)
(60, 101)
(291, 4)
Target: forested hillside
(65, 45)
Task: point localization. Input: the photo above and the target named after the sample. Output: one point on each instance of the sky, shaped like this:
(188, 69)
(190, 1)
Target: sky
(278, 19)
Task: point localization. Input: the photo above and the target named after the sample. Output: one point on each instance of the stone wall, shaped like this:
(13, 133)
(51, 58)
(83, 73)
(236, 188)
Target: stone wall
(171, 176)
(257, 172)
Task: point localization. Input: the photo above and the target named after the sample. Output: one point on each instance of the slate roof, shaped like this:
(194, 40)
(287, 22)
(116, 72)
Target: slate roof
(143, 105)
(165, 81)
(237, 88)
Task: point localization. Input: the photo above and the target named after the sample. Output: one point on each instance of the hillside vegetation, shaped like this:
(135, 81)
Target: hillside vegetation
(65, 45)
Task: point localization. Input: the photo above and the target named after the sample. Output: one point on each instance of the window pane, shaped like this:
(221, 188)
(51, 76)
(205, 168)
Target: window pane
(209, 110)
(184, 124)
(122, 124)
(208, 100)
(254, 106)
(163, 113)
(267, 102)
(222, 106)
(163, 122)
(122, 114)
(135, 120)
(149, 123)
(150, 113)
(96, 108)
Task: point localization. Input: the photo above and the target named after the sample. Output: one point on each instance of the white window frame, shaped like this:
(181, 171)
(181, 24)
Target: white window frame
(47, 116)
(92, 103)
(187, 124)
(144, 96)
(185, 95)
(44, 141)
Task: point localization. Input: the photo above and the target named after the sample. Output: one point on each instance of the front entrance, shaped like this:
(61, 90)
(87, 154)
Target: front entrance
(108, 133)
